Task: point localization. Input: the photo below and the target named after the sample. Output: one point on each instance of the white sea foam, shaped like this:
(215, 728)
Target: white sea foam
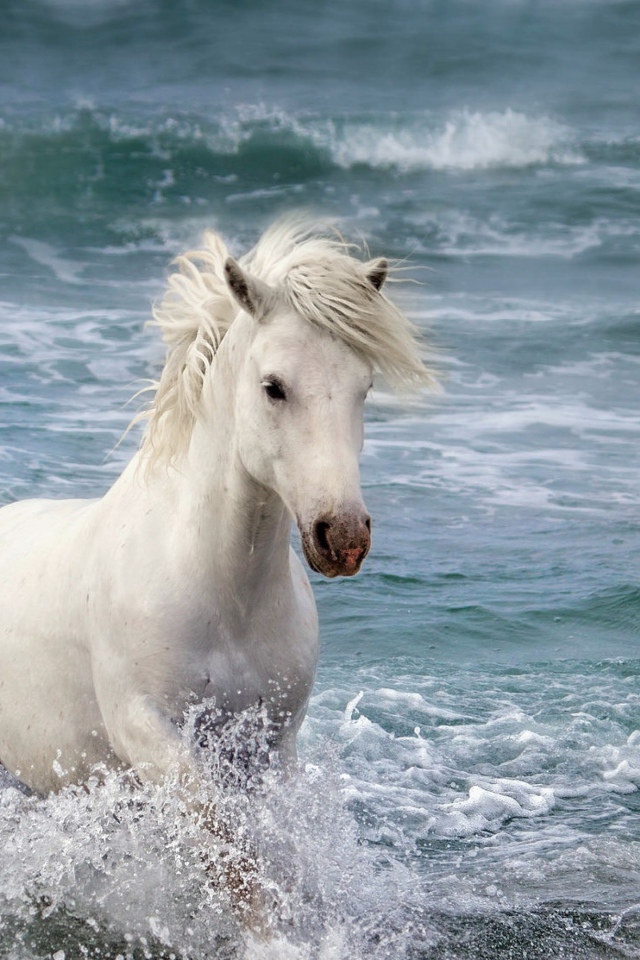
(66, 270)
(531, 436)
(513, 758)
(457, 233)
(497, 456)
(493, 803)
(466, 140)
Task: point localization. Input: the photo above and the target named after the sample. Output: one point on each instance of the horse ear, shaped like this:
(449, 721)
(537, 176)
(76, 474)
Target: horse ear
(252, 294)
(377, 273)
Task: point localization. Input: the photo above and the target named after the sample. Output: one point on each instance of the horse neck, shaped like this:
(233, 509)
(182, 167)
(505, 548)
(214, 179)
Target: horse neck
(239, 530)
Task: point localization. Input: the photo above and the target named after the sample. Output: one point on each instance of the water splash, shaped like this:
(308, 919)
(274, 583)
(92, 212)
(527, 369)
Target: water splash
(118, 869)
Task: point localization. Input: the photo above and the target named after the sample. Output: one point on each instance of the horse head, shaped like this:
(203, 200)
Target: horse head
(299, 414)
(301, 324)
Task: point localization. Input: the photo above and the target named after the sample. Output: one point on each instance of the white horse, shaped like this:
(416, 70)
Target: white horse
(180, 584)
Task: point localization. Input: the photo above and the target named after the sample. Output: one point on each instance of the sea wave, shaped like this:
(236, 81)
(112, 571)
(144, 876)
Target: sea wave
(103, 176)
(465, 140)
(272, 140)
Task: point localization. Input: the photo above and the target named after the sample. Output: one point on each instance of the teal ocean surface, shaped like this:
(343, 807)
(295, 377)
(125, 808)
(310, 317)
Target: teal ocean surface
(471, 759)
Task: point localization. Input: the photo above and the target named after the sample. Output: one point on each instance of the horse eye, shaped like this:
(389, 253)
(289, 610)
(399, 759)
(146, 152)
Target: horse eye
(274, 390)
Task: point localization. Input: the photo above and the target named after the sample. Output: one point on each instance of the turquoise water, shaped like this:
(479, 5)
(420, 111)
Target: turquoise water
(471, 758)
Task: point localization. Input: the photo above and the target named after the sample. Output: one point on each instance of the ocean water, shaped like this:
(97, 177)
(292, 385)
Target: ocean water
(470, 763)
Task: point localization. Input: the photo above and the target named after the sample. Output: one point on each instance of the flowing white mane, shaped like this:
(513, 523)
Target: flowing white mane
(315, 271)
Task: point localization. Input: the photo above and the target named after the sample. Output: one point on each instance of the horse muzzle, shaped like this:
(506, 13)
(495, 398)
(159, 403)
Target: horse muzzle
(336, 544)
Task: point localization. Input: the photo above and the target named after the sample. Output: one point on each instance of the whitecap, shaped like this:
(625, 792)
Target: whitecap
(466, 140)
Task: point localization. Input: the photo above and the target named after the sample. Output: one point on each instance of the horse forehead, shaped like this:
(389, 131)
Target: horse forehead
(296, 344)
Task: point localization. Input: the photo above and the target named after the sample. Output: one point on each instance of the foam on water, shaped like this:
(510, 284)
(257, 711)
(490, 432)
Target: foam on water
(477, 781)
(428, 762)
(459, 234)
(466, 140)
(67, 271)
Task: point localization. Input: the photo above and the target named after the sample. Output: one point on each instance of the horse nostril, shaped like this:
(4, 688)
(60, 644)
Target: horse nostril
(367, 524)
(322, 529)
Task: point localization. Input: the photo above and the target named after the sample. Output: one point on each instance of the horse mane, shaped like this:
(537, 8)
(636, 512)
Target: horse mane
(315, 271)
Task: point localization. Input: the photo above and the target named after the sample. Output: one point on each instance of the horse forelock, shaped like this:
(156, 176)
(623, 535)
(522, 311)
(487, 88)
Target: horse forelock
(316, 272)
(331, 287)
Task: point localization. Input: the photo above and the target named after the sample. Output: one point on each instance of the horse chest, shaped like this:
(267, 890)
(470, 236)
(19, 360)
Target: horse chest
(265, 658)
(238, 679)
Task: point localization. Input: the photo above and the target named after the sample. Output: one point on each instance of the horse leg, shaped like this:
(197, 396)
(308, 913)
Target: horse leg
(152, 745)
(238, 869)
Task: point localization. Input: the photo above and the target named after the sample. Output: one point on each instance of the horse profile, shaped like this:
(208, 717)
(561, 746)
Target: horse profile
(180, 585)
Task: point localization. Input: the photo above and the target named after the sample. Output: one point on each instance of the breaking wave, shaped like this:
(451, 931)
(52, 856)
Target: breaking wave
(464, 141)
